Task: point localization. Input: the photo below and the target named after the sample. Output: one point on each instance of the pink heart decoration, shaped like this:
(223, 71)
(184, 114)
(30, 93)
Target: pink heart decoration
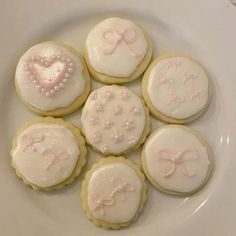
(49, 74)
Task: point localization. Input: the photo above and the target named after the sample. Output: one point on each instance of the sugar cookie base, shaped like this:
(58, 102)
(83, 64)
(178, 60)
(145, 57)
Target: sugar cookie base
(155, 112)
(81, 144)
(84, 195)
(108, 79)
(77, 103)
(169, 191)
(142, 139)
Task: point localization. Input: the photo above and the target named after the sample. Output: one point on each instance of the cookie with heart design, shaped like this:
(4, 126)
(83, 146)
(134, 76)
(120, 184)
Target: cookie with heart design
(52, 79)
(176, 160)
(48, 153)
(117, 51)
(113, 192)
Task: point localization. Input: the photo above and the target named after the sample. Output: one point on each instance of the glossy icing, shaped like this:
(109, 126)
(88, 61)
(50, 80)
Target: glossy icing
(114, 192)
(176, 159)
(49, 76)
(118, 123)
(178, 87)
(116, 47)
(46, 154)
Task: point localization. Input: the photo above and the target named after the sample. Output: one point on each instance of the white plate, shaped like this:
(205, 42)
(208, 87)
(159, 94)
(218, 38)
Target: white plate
(203, 29)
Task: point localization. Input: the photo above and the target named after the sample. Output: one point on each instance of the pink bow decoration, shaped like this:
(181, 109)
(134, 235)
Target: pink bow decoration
(30, 142)
(177, 159)
(100, 202)
(121, 188)
(115, 38)
(54, 158)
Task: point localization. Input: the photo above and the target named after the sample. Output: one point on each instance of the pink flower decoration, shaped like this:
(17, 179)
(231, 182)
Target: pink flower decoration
(124, 95)
(118, 110)
(109, 95)
(99, 107)
(97, 137)
(117, 137)
(129, 124)
(108, 124)
(93, 96)
(93, 120)
(105, 149)
(135, 110)
(132, 140)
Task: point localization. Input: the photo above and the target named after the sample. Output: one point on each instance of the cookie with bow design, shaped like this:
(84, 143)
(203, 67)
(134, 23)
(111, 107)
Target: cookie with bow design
(117, 51)
(113, 192)
(176, 160)
(48, 153)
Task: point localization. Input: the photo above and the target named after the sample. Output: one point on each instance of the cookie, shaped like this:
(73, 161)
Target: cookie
(113, 192)
(114, 120)
(176, 160)
(52, 79)
(117, 51)
(48, 153)
(176, 89)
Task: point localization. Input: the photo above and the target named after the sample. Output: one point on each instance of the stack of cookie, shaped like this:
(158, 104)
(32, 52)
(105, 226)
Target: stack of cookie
(48, 153)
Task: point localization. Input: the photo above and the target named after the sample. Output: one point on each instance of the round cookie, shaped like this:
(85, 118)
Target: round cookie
(51, 78)
(113, 192)
(114, 120)
(117, 51)
(176, 160)
(48, 153)
(176, 89)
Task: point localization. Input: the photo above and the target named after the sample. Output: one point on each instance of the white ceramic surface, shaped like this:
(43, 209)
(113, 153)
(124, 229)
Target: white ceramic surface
(203, 29)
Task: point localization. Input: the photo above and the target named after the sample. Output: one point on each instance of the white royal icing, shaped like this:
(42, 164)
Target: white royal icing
(176, 159)
(113, 119)
(114, 193)
(178, 87)
(49, 76)
(116, 47)
(46, 154)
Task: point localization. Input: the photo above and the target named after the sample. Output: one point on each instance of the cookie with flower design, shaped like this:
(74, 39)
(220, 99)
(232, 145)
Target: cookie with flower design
(176, 89)
(176, 160)
(52, 79)
(113, 192)
(114, 120)
(48, 153)
(117, 51)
